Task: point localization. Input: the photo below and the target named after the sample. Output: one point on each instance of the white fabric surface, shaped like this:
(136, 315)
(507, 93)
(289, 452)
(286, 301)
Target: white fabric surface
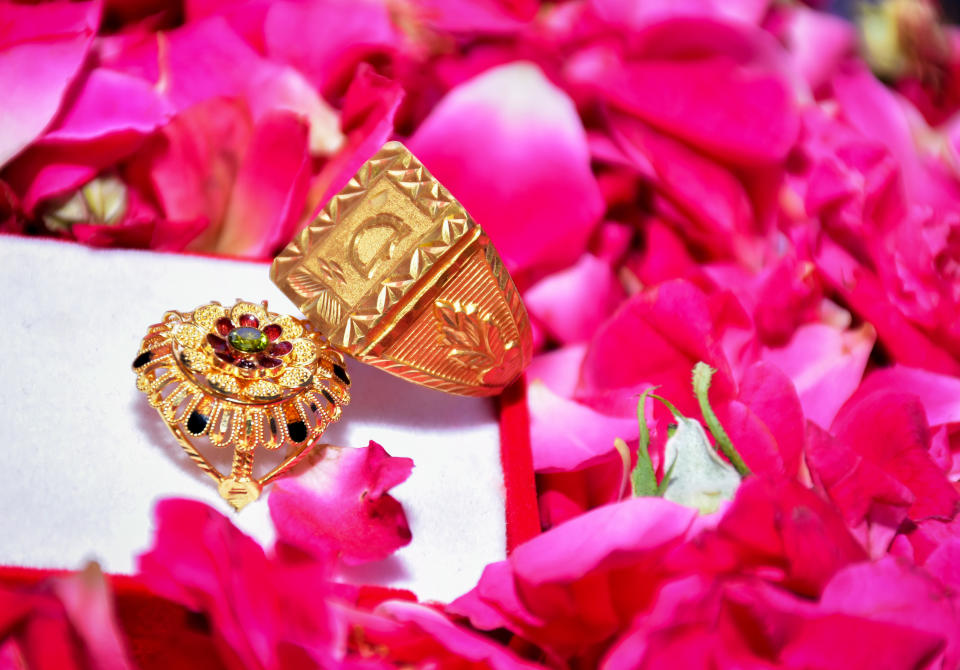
(85, 457)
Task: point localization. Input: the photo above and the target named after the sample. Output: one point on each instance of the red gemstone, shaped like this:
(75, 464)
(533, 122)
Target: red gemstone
(225, 356)
(281, 349)
(224, 325)
(267, 362)
(272, 331)
(249, 321)
(246, 364)
(218, 343)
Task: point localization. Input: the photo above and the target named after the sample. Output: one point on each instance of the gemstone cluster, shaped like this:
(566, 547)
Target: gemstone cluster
(246, 345)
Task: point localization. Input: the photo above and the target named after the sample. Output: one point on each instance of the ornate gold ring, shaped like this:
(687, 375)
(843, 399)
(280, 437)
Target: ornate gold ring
(241, 377)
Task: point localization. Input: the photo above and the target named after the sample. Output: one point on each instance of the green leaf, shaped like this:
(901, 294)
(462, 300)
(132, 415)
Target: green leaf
(667, 476)
(702, 374)
(643, 479)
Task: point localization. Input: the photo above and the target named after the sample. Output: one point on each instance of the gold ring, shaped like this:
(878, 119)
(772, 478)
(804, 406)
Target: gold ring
(241, 377)
(398, 275)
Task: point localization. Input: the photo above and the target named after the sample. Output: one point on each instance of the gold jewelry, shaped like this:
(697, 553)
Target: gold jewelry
(241, 377)
(396, 273)
(393, 272)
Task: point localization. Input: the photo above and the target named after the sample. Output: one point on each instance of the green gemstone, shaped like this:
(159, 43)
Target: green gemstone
(248, 340)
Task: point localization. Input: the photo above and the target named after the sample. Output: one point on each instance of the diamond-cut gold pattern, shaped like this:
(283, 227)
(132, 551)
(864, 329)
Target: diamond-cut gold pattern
(314, 295)
(370, 268)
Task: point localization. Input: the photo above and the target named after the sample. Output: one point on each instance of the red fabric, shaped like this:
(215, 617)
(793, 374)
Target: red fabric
(163, 634)
(516, 457)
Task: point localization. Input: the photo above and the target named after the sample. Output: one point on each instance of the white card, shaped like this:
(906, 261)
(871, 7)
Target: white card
(85, 457)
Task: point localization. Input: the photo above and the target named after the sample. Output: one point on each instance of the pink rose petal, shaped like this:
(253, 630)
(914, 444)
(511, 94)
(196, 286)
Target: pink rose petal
(824, 643)
(566, 587)
(889, 429)
(340, 506)
(41, 50)
(703, 81)
(207, 59)
(565, 494)
(495, 142)
(603, 539)
(612, 242)
(192, 169)
(944, 563)
(572, 303)
(655, 338)
(257, 605)
(862, 290)
(665, 256)
(939, 394)
(270, 189)
(200, 560)
(325, 40)
(818, 42)
(712, 105)
(478, 16)
(100, 126)
(66, 622)
(493, 602)
(110, 102)
(825, 365)
(442, 641)
(41, 172)
(369, 108)
(636, 15)
(765, 422)
(90, 608)
(880, 114)
(718, 206)
(924, 537)
(559, 369)
(565, 435)
(896, 593)
(777, 526)
(873, 503)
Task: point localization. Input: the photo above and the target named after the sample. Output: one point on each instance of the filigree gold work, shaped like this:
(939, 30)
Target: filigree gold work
(244, 378)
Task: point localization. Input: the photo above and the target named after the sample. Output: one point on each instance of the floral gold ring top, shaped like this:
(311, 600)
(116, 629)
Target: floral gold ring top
(393, 272)
(241, 377)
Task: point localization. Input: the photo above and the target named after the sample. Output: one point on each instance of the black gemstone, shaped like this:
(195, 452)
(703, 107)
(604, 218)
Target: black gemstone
(328, 396)
(341, 374)
(313, 407)
(197, 422)
(297, 430)
(273, 425)
(142, 359)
